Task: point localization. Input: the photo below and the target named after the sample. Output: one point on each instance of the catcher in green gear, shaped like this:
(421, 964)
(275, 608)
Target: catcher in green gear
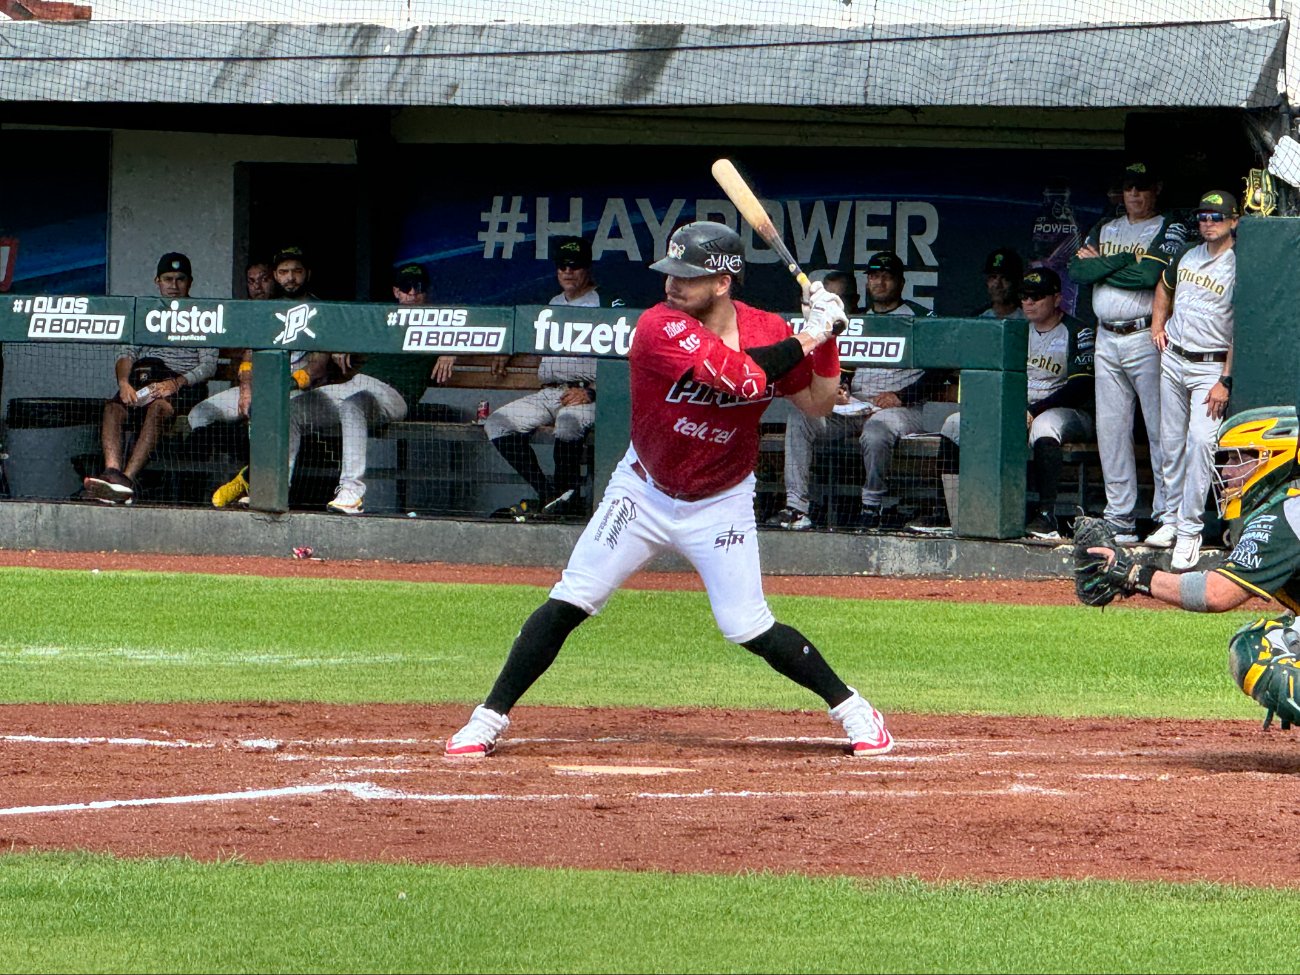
(1254, 472)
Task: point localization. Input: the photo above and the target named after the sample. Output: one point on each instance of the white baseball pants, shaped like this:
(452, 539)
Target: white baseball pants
(352, 407)
(635, 521)
(541, 408)
(220, 407)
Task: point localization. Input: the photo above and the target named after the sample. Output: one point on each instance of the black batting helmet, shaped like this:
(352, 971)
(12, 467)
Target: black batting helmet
(702, 248)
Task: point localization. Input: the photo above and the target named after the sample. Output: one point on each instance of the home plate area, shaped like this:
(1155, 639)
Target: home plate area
(706, 790)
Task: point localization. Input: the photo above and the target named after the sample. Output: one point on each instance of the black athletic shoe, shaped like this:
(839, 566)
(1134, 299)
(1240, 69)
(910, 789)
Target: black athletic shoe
(791, 519)
(112, 487)
(870, 519)
(563, 506)
(529, 509)
(929, 525)
(1043, 525)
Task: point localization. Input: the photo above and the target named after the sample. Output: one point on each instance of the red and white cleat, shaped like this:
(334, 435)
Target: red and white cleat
(479, 737)
(864, 726)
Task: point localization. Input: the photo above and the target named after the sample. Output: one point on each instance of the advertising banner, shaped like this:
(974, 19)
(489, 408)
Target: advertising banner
(486, 237)
(54, 212)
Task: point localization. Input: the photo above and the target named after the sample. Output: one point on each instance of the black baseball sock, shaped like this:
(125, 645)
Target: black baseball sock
(568, 465)
(1047, 472)
(518, 453)
(534, 650)
(791, 654)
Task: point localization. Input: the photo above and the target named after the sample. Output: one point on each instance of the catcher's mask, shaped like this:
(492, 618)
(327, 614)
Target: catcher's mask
(703, 248)
(1256, 455)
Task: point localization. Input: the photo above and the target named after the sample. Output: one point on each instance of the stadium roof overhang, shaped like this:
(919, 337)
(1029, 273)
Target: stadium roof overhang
(648, 64)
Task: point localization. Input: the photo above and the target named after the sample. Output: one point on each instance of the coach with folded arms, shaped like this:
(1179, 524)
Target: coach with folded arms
(1123, 258)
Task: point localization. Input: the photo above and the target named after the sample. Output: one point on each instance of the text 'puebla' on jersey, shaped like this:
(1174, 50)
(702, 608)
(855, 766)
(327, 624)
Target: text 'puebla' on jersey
(1203, 285)
(1057, 356)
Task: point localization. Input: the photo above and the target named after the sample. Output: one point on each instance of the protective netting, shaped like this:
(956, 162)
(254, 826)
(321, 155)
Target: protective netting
(481, 211)
(55, 399)
(638, 52)
(423, 447)
(437, 457)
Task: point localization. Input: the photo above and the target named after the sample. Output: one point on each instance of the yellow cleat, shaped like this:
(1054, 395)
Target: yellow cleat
(233, 491)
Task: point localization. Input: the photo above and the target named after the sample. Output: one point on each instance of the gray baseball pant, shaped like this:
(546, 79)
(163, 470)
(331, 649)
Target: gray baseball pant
(877, 434)
(1188, 436)
(527, 413)
(1127, 373)
(351, 406)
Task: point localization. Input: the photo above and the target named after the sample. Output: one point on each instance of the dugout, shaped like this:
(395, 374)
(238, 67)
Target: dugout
(361, 119)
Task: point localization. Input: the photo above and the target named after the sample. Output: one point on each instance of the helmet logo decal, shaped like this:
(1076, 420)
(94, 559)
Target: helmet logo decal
(728, 263)
(676, 250)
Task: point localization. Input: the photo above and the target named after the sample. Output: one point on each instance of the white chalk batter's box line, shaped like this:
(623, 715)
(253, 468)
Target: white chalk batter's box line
(369, 791)
(213, 657)
(275, 744)
(372, 791)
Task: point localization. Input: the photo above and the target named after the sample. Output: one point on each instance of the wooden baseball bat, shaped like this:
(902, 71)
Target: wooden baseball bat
(738, 191)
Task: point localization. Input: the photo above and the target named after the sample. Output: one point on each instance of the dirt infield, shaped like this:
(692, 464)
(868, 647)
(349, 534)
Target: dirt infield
(676, 790)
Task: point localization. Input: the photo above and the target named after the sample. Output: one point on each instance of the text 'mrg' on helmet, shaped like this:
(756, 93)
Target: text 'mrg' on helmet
(1256, 455)
(702, 248)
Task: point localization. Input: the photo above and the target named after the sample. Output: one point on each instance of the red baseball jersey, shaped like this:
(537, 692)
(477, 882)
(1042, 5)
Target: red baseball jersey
(696, 403)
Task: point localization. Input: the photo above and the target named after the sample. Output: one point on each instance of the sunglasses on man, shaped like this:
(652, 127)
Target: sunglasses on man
(1212, 217)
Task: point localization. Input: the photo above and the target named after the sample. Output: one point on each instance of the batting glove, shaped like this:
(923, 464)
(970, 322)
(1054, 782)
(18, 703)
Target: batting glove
(823, 313)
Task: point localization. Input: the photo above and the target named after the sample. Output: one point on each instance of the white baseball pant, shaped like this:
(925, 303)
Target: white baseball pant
(351, 406)
(1061, 424)
(220, 407)
(635, 521)
(538, 409)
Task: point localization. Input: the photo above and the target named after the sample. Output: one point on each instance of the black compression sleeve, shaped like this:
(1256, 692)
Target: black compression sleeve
(777, 360)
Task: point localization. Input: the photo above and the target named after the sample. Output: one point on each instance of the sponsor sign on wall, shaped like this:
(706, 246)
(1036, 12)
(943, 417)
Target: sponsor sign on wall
(487, 239)
(54, 199)
(65, 318)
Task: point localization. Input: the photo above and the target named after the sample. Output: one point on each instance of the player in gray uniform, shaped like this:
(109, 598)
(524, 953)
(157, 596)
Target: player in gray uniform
(1191, 324)
(1059, 395)
(154, 384)
(878, 407)
(567, 400)
(1122, 258)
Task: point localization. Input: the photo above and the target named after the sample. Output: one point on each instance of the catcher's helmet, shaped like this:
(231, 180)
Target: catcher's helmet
(1256, 455)
(702, 248)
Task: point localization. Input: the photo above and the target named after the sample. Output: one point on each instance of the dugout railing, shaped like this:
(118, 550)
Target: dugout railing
(988, 354)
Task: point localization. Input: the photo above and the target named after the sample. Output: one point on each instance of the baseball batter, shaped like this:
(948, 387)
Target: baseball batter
(1122, 258)
(703, 369)
(1192, 326)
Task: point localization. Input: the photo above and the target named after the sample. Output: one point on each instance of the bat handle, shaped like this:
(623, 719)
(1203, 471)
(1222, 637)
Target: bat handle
(802, 278)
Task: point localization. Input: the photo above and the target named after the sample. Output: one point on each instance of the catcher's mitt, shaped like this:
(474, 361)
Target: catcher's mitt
(1262, 660)
(1100, 576)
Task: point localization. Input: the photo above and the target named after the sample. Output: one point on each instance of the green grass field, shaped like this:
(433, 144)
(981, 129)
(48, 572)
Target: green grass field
(83, 637)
